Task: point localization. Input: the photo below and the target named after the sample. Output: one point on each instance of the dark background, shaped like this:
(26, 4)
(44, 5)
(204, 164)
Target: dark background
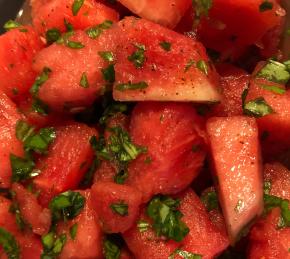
(8, 10)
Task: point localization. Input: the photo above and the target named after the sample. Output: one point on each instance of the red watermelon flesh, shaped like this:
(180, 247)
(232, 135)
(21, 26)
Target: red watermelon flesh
(88, 238)
(17, 50)
(236, 24)
(52, 14)
(239, 176)
(170, 75)
(173, 135)
(105, 195)
(63, 90)
(164, 12)
(67, 160)
(8, 141)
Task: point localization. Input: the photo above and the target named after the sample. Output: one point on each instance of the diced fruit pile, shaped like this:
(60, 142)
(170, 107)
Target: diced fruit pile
(145, 129)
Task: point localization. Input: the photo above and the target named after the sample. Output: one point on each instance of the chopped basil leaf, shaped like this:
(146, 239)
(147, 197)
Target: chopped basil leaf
(22, 168)
(111, 250)
(84, 81)
(138, 57)
(52, 245)
(74, 44)
(121, 146)
(184, 254)
(107, 55)
(288, 32)
(165, 45)
(210, 200)
(9, 244)
(257, 108)
(265, 6)
(189, 64)
(166, 217)
(271, 201)
(121, 177)
(14, 209)
(66, 205)
(52, 35)
(40, 80)
(68, 26)
(34, 142)
(120, 208)
(77, 5)
(202, 66)
(40, 107)
(99, 145)
(109, 73)
(273, 88)
(131, 86)
(23, 130)
(143, 225)
(96, 31)
(111, 110)
(73, 231)
(10, 25)
(201, 8)
(274, 71)
(267, 187)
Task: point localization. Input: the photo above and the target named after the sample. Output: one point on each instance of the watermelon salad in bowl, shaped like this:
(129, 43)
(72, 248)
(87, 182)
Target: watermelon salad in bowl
(145, 129)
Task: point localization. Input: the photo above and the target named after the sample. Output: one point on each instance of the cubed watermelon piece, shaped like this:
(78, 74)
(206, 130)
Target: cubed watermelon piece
(279, 178)
(35, 215)
(203, 238)
(266, 239)
(51, 15)
(29, 244)
(17, 50)
(75, 79)
(67, 160)
(8, 141)
(233, 82)
(236, 162)
(173, 135)
(234, 25)
(116, 205)
(274, 127)
(88, 237)
(157, 64)
(164, 12)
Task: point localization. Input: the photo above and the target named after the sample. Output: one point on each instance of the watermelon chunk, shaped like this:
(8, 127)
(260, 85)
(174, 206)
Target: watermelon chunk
(88, 237)
(203, 238)
(108, 198)
(233, 82)
(275, 127)
(164, 12)
(17, 50)
(30, 245)
(266, 239)
(67, 160)
(235, 25)
(181, 73)
(64, 90)
(37, 217)
(8, 141)
(51, 14)
(239, 176)
(175, 148)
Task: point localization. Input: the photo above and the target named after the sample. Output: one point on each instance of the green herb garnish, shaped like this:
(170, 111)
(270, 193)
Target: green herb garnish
(77, 5)
(166, 217)
(138, 57)
(84, 82)
(165, 45)
(131, 86)
(66, 205)
(120, 208)
(9, 244)
(265, 6)
(257, 108)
